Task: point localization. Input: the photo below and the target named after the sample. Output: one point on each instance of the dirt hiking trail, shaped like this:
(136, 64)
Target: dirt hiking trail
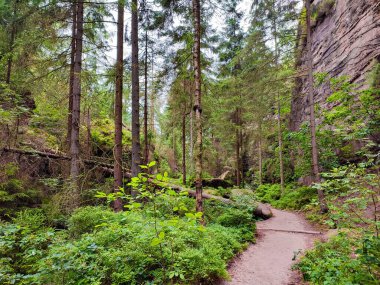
(269, 261)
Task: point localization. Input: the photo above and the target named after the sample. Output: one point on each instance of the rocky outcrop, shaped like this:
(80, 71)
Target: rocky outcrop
(346, 41)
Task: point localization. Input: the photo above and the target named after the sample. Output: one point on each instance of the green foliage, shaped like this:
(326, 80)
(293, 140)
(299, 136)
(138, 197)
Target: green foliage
(238, 216)
(268, 193)
(345, 259)
(86, 219)
(15, 194)
(127, 250)
(351, 118)
(321, 10)
(157, 240)
(102, 135)
(130, 247)
(294, 197)
(30, 218)
(351, 191)
(21, 248)
(375, 75)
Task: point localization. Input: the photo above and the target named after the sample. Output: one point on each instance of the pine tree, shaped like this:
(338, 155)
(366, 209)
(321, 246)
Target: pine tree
(118, 164)
(74, 146)
(197, 104)
(310, 81)
(136, 159)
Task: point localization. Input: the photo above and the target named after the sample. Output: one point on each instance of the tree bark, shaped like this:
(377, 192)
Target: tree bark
(146, 142)
(11, 44)
(136, 159)
(152, 98)
(237, 148)
(314, 146)
(74, 148)
(88, 123)
(197, 103)
(118, 165)
(279, 131)
(191, 127)
(260, 156)
(280, 152)
(184, 148)
(71, 79)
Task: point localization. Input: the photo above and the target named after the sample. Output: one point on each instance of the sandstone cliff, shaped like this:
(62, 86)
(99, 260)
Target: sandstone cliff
(346, 41)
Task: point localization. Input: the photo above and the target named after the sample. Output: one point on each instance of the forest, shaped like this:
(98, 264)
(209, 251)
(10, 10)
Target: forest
(190, 142)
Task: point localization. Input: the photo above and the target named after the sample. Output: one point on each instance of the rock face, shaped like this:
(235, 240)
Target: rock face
(346, 41)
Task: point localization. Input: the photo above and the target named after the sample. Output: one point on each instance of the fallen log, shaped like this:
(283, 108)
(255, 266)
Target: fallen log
(57, 155)
(262, 210)
(214, 183)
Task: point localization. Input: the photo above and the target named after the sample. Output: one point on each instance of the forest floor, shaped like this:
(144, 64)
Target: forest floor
(269, 261)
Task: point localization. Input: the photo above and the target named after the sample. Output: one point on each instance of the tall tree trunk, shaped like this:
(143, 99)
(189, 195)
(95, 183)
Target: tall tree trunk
(173, 143)
(88, 123)
(241, 142)
(260, 150)
(314, 147)
(184, 147)
(152, 98)
(71, 79)
(118, 164)
(237, 148)
(197, 104)
(136, 159)
(279, 131)
(280, 152)
(260, 162)
(191, 127)
(146, 142)
(74, 149)
(11, 44)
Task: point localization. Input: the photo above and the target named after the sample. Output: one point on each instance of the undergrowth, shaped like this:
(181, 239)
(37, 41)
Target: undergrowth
(294, 197)
(345, 259)
(157, 240)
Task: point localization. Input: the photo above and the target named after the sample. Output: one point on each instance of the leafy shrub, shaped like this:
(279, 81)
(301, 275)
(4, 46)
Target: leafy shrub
(268, 193)
(157, 240)
(294, 197)
(160, 242)
(14, 193)
(343, 260)
(21, 248)
(85, 220)
(124, 250)
(31, 218)
(102, 136)
(224, 192)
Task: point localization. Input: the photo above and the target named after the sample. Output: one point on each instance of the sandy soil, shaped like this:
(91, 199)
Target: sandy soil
(269, 261)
